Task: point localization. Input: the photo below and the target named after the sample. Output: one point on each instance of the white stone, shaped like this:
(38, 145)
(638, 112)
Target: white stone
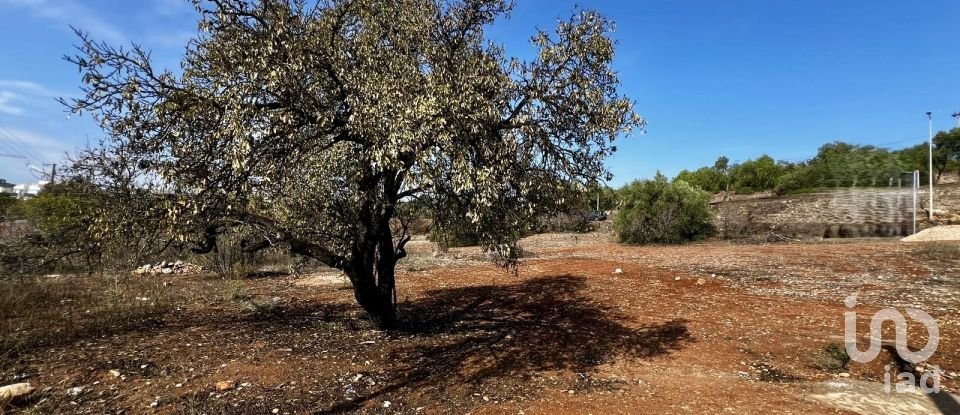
(15, 391)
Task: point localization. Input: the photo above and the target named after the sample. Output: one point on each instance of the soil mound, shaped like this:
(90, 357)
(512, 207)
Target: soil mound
(939, 233)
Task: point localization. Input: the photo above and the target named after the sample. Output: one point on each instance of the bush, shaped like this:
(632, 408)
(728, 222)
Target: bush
(45, 232)
(7, 201)
(757, 175)
(454, 236)
(709, 179)
(228, 259)
(658, 211)
(832, 358)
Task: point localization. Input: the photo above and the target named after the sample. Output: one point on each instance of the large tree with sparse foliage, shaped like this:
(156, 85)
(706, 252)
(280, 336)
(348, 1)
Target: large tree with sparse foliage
(313, 125)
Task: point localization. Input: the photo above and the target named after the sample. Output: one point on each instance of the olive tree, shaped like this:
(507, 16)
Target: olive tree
(315, 124)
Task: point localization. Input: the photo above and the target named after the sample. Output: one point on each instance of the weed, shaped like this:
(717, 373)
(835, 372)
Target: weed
(832, 358)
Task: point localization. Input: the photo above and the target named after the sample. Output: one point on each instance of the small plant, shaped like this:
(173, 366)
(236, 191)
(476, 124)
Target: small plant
(832, 358)
(229, 260)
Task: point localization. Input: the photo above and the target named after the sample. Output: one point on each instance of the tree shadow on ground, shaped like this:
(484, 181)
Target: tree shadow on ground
(509, 334)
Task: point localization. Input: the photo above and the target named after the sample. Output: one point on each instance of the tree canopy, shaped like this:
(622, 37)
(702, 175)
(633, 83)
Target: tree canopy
(837, 164)
(947, 152)
(313, 123)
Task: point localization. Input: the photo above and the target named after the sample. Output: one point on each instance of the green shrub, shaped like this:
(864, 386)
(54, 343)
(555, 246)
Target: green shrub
(658, 211)
(709, 179)
(228, 259)
(7, 201)
(757, 175)
(832, 358)
(455, 235)
(53, 214)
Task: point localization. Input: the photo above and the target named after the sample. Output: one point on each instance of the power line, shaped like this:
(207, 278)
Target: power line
(27, 151)
(7, 148)
(919, 140)
(11, 147)
(19, 148)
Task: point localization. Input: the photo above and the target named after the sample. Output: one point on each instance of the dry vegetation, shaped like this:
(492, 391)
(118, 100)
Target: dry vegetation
(741, 328)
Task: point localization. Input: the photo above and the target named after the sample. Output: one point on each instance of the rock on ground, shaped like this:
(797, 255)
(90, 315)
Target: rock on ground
(15, 391)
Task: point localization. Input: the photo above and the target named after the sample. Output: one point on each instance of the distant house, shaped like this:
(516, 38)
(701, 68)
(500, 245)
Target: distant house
(28, 190)
(7, 187)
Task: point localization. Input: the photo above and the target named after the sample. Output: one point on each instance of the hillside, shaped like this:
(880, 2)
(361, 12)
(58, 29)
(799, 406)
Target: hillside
(848, 212)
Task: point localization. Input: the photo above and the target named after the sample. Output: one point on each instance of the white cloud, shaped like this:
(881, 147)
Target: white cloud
(28, 87)
(71, 12)
(21, 98)
(7, 105)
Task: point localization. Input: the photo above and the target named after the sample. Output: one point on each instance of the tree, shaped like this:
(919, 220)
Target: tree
(842, 164)
(723, 166)
(947, 144)
(709, 179)
(660, 211)
(310, 124)
(756, 175)
(914, 158)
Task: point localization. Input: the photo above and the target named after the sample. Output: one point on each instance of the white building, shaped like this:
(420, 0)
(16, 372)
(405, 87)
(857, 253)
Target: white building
(7, 187)
(28, 190)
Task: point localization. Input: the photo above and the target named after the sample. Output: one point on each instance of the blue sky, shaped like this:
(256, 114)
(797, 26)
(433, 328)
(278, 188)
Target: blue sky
(736, 77)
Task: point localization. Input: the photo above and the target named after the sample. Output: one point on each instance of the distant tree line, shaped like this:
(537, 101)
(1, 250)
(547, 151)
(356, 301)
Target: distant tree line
(836, 164)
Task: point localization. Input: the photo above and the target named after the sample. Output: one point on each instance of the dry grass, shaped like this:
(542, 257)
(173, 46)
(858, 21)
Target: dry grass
(58, 309)
(48, 310)
(939, 251)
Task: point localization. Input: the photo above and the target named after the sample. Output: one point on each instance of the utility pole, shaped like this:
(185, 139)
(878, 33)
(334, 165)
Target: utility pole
(957, 116)
(53, 172)
(930, 163)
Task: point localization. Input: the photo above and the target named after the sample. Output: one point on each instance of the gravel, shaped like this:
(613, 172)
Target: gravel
(939, 233)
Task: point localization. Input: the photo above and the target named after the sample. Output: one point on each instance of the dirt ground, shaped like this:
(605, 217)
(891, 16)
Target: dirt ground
(703, 328)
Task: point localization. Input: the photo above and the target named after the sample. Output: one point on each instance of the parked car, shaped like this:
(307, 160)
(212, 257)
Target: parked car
(596, 215)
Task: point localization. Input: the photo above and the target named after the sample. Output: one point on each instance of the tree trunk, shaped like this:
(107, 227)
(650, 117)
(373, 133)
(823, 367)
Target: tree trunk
(375, 291)
(372, 274)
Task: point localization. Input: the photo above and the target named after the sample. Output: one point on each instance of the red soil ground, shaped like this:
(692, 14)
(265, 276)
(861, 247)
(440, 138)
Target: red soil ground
(704, 328)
